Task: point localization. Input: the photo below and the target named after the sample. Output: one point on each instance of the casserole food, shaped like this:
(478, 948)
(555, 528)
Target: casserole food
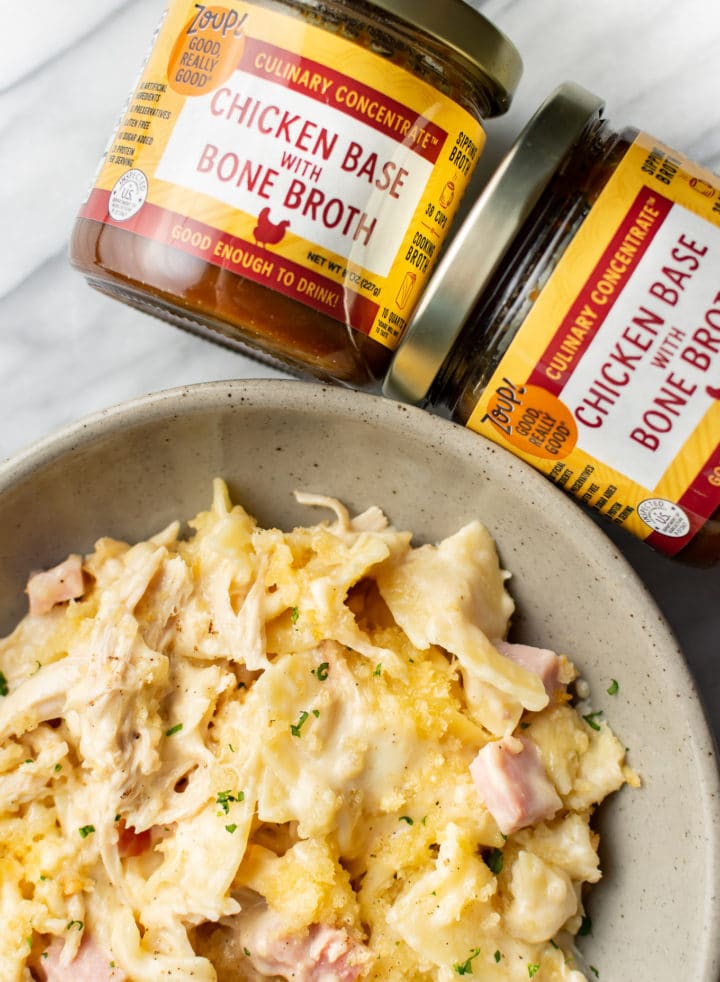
(132, 470)
(309, 755)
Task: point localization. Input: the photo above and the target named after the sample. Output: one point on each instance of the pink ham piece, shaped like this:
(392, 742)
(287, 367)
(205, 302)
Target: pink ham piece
(91, 964)
(512, 783)
(53, 586)
(324, 954)
(540, 661)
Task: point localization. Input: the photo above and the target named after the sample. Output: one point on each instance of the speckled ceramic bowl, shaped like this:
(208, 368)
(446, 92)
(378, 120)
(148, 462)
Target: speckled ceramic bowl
(129, 471)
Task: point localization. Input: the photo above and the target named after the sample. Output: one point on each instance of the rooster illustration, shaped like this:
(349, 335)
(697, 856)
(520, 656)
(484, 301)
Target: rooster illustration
(267, 232)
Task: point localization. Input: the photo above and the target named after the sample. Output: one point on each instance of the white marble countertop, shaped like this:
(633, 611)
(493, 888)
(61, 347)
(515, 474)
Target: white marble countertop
(66, 68)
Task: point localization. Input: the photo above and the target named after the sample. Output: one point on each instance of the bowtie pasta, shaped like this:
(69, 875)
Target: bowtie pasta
(308, 755)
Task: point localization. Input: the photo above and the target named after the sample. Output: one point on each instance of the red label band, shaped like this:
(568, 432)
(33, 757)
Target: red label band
(586, 317)
(244, 258)
(700, 502)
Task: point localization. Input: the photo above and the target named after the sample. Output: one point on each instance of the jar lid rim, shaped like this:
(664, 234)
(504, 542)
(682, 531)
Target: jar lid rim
(474, 38)
(484, 238)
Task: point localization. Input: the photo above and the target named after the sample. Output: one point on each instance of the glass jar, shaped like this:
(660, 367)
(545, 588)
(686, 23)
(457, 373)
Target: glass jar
(285, 171)
(575, 320)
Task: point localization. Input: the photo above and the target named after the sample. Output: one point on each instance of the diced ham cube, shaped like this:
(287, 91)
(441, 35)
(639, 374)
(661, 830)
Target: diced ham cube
(540, 661)
(91, 964)
(53, 586)
(512, 783)
(324, 954)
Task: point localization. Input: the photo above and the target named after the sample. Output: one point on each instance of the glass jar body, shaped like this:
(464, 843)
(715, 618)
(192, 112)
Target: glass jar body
(303, 282)
(534, 270)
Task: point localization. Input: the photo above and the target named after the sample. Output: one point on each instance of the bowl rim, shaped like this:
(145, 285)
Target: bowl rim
(287, 394)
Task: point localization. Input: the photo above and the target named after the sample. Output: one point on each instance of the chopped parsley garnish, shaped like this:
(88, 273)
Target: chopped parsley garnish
(595, 971)
(533, 969)
(591, 718)
(321, 672)
(316, 713)
(3, 685)
(494, 860)
(613, 688)
(57, 768)
(296, 727)
(230, 828)
(231, 748)
(246, 952)
(225, 798)
(78, 924)
(497, 956)
(173, 730)
(406, 818)
(585, 927)
(86, 830)
(44, 878)
(378, 669)
(465, 968)
(294, 615)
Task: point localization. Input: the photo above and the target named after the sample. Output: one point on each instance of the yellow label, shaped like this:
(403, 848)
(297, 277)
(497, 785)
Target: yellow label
(291, 156)
(611, 386)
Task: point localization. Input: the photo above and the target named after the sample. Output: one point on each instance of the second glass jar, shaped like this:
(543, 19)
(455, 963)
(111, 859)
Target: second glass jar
(575, 320)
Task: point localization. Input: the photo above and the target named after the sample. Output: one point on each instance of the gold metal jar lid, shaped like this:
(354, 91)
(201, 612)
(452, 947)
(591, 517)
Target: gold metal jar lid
(475, 40)
(484, 238)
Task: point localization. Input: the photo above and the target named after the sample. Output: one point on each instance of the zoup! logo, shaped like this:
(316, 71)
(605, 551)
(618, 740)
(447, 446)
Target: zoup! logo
(207, 51)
